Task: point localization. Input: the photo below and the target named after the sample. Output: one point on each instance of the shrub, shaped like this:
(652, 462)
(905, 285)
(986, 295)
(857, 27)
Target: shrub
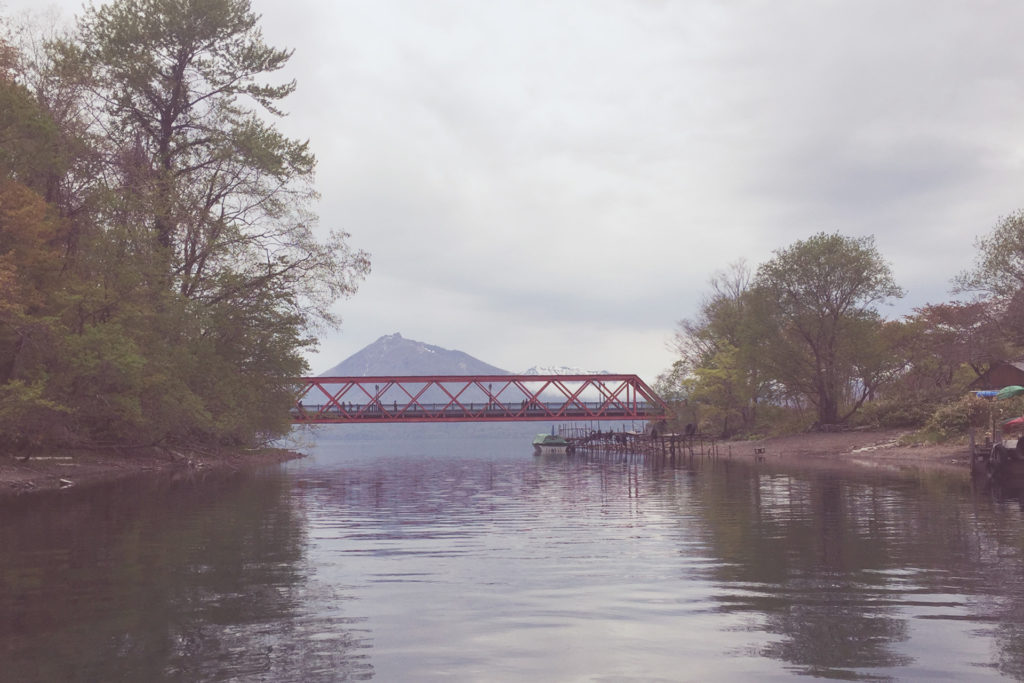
(781, 420)
(955, 419)
(896, 413)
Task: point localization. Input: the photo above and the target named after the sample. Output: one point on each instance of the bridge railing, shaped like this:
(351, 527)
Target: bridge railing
(492, 398)
(371, 412)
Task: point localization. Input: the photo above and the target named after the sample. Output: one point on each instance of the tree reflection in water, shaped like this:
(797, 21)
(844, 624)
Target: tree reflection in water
(500, 567)
(1002, 585)
(832, 564)
(168, 580)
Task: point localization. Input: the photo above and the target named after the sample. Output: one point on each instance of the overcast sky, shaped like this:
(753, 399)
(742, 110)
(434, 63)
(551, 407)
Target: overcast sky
(553, 183)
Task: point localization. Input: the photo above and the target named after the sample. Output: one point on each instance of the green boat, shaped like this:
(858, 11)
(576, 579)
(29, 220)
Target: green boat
(549, 443)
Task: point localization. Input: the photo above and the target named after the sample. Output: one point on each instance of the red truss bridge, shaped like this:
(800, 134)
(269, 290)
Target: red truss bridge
(483, 398)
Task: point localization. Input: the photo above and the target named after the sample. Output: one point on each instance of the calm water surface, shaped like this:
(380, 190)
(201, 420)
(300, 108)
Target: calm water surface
(469, 559)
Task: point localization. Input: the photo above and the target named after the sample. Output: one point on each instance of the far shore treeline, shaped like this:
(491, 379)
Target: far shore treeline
(160, 275)
(799, 343)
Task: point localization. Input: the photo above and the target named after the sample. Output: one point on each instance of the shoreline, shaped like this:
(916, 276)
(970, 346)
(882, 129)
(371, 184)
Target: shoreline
(862, 450)
(68, 469)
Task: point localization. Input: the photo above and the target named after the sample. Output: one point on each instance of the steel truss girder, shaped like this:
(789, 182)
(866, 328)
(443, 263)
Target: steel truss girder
(481, 398)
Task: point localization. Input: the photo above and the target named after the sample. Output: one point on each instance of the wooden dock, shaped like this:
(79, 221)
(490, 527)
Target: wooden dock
(590, 442)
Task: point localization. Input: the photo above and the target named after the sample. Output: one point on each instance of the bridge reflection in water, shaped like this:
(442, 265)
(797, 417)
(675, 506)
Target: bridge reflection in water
(479, 398)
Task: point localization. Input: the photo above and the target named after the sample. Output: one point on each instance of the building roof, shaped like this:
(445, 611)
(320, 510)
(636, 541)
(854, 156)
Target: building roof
(1000, 374)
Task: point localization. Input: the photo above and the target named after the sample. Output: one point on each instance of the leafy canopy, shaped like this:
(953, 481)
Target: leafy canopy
(160, 259)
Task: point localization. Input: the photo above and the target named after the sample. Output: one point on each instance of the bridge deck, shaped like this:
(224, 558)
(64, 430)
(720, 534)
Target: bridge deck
(488, 398)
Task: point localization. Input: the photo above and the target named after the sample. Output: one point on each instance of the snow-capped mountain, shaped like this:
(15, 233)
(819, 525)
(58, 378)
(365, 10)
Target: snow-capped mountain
(561, 370)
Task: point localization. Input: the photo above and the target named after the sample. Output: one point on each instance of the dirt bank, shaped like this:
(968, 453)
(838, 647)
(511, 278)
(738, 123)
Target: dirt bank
(80, 468)
(863, 448)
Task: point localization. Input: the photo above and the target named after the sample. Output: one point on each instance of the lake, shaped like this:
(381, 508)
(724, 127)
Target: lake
(451, 555)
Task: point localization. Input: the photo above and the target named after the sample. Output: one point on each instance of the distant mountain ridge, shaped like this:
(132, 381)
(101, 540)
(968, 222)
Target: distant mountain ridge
(561, 370)
(395, 355)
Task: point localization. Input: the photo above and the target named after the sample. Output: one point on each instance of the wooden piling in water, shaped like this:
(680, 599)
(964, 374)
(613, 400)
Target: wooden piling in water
(636, 446)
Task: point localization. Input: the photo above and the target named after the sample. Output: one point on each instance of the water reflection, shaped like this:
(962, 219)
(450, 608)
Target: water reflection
(1001, 586)
(168, 580)
(807, 562)
(474, 560)
(833, 574)
(839, 575)
(857, 577)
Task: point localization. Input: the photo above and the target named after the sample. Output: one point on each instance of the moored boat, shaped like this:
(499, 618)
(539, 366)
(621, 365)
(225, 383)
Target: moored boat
(550, 443)
(1005, 460)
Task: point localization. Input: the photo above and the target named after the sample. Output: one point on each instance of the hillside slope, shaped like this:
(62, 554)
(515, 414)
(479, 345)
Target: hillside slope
(394, 355)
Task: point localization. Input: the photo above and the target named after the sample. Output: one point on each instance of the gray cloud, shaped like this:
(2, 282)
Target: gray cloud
(554, 183)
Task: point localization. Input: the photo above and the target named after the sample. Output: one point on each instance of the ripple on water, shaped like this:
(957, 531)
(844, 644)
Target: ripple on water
(486, 565)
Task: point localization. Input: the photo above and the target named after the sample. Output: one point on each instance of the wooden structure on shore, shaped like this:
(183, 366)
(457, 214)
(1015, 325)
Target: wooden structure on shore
(588, 441)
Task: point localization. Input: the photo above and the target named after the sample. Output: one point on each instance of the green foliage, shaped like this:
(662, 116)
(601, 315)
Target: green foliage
(802, 333)
(27, 417)
(998, 279)
(957, 418)
(160, 265)
(218, 195)
(999, 267)
(821, 330)
(780, 420)
(805, 333)
(672, 386)
(30, 150)
(101, 374)
(896, 413)
(719, 364)
(724, 385)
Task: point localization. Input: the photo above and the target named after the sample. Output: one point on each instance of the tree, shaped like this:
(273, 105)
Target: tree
(720, 318)
(29, 268)
(817, 298)
(948, 339)
(157, 242)
(223, 195)
(997, 277)
(30, 262)
(999, 266)
(206, 214)
(728, 386)
(719, 352)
